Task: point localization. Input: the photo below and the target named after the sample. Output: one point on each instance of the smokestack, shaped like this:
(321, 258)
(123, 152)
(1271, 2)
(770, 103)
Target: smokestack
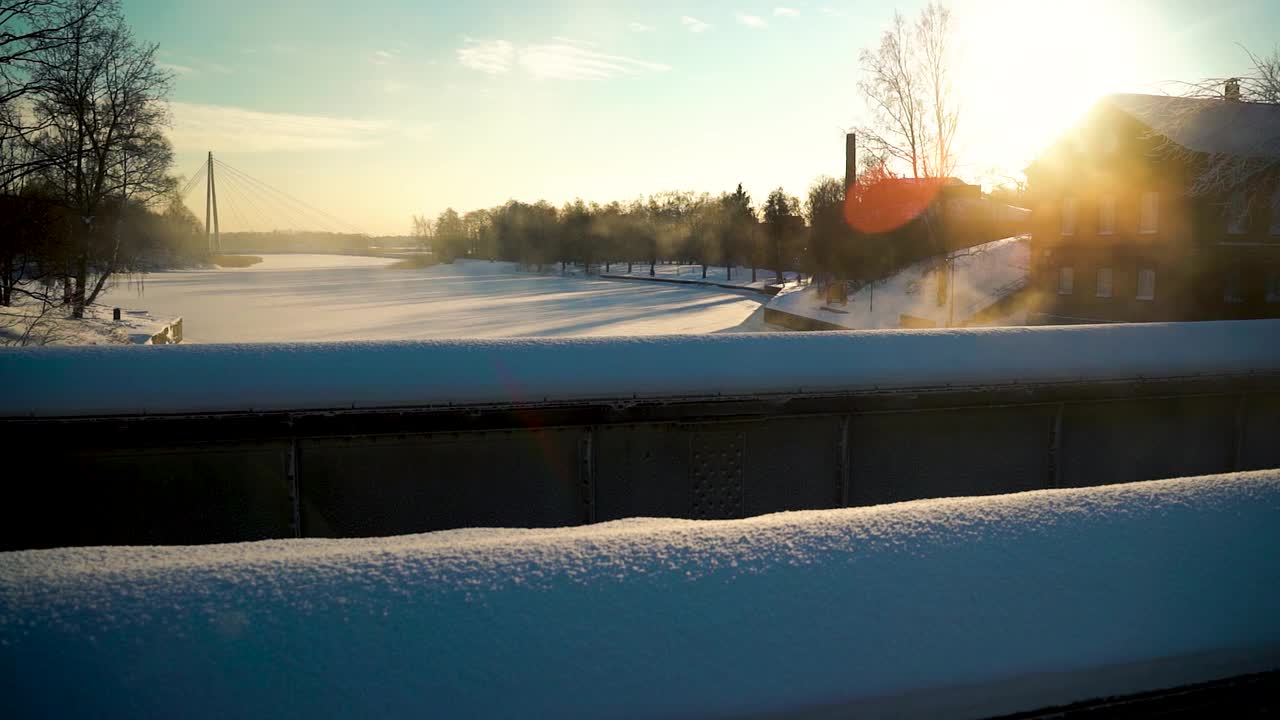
(850, 160)
(1232, 90)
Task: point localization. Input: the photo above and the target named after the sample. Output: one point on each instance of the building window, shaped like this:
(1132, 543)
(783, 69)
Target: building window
(1104, 282)
(1231, 287)
(1106, 214)
(1149, 217)
(1068, 216)
(1146, 284)
(1238, 213)
(1273, 287)
(1066, 280)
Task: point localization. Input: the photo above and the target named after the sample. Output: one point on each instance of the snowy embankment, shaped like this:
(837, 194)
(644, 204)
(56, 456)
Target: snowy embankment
(946, 608)
(232, 378)
(33, 324)
(984, 275)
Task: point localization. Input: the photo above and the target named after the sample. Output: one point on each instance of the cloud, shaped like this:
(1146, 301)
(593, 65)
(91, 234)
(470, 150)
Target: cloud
(569, 62)
(383, 57)
(494, 57)
(560, 59)
(175, 68)
(786, 12)
(753, 21)
(694, 24)
(198, 127)
(639, 27)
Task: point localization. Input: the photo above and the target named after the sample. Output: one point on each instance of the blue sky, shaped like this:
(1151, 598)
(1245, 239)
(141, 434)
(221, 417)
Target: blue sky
(380, 110)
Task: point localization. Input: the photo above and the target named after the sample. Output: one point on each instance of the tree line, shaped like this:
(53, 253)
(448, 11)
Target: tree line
(85, 184)
(834, 232)
(818, 235)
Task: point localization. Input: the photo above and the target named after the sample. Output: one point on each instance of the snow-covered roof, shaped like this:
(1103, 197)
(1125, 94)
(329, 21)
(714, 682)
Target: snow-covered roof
(1207, 125)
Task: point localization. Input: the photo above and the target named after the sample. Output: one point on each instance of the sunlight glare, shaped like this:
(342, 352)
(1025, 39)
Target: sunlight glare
(1032, 68)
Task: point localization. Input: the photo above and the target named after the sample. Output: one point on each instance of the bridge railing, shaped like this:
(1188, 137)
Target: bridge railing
(194, 444)
(114, 381)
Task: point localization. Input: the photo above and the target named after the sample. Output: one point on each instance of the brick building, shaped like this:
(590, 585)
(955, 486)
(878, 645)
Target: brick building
(1159, 208)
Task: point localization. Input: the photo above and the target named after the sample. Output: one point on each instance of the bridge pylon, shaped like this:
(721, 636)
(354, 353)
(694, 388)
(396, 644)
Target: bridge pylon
(211, 210)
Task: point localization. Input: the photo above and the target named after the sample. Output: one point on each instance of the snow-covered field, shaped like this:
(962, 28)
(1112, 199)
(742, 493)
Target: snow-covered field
(953, 608)
(305, 298)
(983, 275)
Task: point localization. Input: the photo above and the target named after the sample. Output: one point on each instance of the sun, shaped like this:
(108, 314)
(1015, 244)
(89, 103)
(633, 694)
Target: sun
(1029, 70)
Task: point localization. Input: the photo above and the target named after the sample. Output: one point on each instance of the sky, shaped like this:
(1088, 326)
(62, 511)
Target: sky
(380, 110)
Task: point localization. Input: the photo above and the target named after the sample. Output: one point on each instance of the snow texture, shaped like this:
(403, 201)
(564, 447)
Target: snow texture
(941, 608)
(983, 276)
(97, 327)
(1208, 125)
(317, 298)
(231, 378)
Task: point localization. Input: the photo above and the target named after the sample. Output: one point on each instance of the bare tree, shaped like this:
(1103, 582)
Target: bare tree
(907, 87)
(100, 99)
(28, 30)
(1224, 172)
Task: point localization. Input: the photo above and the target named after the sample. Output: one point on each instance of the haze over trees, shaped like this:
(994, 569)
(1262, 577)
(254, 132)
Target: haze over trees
(907, 87)
(84, 161)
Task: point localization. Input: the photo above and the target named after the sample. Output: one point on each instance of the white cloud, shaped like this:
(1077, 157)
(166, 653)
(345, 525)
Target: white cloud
(786, 12)
(383, 57)
(568, 62)
(693, 24)
(639, 27)
(175, 68)
(494, 57)
(753, 21)
(198, 127)
(829, 11)
(560, 59)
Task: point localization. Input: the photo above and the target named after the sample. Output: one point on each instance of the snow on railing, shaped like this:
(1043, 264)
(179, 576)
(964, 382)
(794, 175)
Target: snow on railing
(82, 381)
(968, 607)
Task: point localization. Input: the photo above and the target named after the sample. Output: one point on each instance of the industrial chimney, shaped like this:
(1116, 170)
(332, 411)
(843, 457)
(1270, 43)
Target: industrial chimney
(850, 160)
(1232, 90)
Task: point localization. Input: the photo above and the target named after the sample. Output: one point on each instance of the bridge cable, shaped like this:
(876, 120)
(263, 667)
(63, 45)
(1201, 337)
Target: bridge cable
(191, 181)
(249, 195)
(335, 220)
(285, 201)
(260, 218)
(290, 213)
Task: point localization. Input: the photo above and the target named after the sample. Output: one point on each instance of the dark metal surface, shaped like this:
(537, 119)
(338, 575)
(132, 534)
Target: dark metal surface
(1248, 696)
(219, 478)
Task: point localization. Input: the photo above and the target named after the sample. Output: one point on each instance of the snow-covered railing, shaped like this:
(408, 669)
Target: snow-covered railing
(949, 608)
(83, 381)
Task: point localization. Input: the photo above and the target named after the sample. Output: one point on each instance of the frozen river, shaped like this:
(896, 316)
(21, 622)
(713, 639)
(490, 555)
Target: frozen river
(331, 297)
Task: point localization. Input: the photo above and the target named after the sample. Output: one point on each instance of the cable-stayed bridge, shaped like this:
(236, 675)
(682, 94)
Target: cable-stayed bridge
(252, 205)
